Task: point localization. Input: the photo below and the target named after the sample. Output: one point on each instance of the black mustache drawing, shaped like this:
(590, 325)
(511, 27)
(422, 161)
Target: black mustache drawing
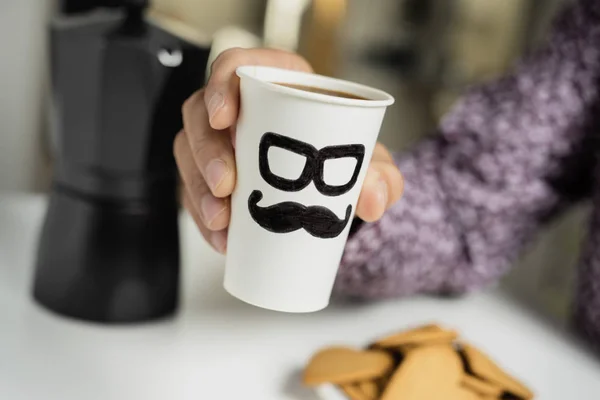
(290, 216)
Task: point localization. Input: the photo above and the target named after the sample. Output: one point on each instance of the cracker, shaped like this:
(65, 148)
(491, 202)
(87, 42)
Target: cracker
(481, 387)
(354, 392)
(370, 389)
(428, 334)
(424, 363)
(426, 373)
(343, 365)
(464, 394)
(483, 367)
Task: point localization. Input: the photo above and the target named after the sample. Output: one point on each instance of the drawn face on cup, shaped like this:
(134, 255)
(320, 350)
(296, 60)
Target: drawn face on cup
(290, 216)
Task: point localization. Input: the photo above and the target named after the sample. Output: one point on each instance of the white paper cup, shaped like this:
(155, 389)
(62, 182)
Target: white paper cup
(296, 149)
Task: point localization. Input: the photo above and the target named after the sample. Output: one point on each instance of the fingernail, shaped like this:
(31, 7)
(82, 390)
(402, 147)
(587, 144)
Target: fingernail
(219, 241)
(215, 103)
(383, 192)
(216, 171)
(211, 208)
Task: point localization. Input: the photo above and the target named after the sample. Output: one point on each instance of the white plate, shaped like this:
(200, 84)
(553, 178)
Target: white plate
(330, 392)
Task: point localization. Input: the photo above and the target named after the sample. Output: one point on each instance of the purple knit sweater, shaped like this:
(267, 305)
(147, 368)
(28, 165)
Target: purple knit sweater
(509, 157)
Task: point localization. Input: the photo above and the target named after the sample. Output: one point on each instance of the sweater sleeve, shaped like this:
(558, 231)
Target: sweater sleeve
(511, 155)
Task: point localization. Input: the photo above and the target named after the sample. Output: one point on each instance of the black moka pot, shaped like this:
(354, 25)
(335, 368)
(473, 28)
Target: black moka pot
(109, 247)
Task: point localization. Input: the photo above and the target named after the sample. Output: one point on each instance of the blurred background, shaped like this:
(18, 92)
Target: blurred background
(424, 52)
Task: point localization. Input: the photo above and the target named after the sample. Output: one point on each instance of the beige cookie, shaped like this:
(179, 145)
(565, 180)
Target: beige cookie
(463, 394)
(481, 387)
(410, 332)
(342, 365)
(370, 389)
(430, 372)
(354, 392)
(426, 335)
(483, 367)
(443, 340)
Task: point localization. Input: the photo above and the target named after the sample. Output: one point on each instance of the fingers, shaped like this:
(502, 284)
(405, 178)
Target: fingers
(210, 149)
(217, 239)
(222, 91)
(383, 186)
(213, 212)
(393, 179)
(373, 197)
(381, 153)
(204, 149)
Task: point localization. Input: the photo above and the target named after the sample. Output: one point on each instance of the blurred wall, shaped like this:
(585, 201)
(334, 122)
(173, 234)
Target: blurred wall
(428, 51)
(23, 72)
(210, 15)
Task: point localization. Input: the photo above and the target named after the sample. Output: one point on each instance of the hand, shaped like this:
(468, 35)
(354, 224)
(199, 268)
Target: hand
(205, 155)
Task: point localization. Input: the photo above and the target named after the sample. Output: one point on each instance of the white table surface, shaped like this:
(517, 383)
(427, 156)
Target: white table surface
(220, 348)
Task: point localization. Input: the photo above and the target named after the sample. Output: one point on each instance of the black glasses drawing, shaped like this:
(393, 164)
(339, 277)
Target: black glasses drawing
(314, 167)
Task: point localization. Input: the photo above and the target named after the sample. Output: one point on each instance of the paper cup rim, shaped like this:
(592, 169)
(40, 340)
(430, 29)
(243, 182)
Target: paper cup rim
(271, 76)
